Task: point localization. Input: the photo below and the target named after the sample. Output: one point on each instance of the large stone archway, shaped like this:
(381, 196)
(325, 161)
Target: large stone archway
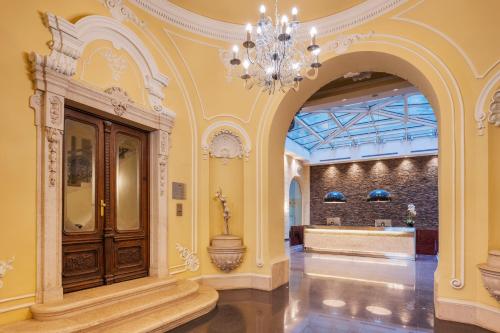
(439, 89)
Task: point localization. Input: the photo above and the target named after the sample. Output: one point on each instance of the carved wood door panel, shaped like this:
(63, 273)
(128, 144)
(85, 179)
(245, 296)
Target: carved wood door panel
(105, 198)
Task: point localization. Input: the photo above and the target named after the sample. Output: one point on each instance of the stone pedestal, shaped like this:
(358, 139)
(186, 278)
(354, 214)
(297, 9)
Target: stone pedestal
(491, 274)
(226, 252)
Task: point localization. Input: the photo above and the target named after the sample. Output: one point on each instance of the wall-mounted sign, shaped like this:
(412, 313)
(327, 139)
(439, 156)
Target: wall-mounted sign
(178, 191)
(178, 209)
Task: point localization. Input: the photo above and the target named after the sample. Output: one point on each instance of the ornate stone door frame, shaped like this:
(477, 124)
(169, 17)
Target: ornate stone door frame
(54, 87)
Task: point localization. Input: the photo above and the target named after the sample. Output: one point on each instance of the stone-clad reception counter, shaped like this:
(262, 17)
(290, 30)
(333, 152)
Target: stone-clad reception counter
(386, 242)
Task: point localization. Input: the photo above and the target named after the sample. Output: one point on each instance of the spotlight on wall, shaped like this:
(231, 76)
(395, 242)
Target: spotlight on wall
(379, 196)
(334, 197)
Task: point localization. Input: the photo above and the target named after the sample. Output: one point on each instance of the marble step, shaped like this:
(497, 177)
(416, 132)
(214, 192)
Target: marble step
(179, 299)
(100, 296)
(166, 317)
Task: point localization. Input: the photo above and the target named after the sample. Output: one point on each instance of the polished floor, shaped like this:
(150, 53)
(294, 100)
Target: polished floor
(336, 294)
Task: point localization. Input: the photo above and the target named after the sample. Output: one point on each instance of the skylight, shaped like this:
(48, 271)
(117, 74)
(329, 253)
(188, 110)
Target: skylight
(395, 118)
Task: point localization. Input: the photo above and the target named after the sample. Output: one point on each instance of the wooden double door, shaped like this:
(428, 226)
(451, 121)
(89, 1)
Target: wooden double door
(105, 194)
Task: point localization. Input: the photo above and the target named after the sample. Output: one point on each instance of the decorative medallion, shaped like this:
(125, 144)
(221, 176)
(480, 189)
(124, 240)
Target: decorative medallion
(190, 259)
(119, 99)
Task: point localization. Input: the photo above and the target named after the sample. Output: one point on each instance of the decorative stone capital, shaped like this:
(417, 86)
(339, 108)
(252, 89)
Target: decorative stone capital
(66, 47)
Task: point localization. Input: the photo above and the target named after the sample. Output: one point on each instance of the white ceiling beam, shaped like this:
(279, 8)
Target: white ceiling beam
(410, 119)
(308, 128)
(336, 133)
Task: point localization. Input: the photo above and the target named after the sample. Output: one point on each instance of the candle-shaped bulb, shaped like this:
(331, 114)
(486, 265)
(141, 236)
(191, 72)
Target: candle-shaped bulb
(316, 51)
(288, 30)
(295, 11)
(262, 9)
(235, 51)
(246, 64)
(313, 33)
(248, 28)
(259, 30)
(269, 70)
(284, 23)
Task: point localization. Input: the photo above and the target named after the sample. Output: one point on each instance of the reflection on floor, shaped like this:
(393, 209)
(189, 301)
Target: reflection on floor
(336, 294)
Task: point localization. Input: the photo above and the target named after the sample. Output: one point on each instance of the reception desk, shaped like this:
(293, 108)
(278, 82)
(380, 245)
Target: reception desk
(385, 242)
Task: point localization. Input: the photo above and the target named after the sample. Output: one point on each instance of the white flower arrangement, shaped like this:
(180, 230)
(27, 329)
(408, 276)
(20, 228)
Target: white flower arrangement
(410, 215)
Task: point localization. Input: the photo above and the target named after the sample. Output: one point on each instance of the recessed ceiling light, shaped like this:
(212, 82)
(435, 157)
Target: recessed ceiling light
(344, 99)
(378, 310)
(335, 303)
(395, 89)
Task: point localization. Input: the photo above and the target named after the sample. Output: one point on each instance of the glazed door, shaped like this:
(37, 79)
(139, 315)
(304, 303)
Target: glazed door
(105, 196)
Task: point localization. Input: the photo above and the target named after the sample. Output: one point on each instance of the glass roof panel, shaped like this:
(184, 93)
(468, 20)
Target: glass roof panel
(314, 118)
(390, 124)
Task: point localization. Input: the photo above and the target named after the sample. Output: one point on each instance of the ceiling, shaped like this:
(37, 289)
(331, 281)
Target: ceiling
(385, 108)
(242, 12)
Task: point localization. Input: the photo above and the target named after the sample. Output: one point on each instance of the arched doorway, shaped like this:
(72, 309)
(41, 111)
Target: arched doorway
(446, 102)
(294, 206)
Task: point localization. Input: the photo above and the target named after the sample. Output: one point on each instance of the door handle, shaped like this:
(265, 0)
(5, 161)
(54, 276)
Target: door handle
(103, 204)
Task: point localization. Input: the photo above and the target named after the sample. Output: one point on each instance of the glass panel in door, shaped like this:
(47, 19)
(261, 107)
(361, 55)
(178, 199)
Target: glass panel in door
(79, 176)
(128, 176)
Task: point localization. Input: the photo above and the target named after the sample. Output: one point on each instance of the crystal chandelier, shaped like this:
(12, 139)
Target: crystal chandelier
(274, 56)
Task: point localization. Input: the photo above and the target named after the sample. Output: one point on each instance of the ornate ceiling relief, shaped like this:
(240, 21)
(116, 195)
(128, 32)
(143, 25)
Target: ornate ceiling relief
(226, 145)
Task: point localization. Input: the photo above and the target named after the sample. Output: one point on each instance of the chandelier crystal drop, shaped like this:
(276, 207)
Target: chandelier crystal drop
(273, 54)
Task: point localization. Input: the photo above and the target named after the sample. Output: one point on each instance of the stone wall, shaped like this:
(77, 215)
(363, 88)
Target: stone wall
(409, 180)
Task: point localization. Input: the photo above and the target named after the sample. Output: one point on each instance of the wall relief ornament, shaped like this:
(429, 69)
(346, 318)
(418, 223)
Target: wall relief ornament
(494, 113)
(55, 110)
(163, 160)
(117, 63)
(119, 99)
(190, 259)
(342, 43)
(226, 145)
(5, 266)
(54, 136)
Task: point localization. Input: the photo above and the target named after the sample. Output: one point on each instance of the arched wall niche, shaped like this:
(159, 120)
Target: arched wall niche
(55, 87)
(296, 170)
(441, 89)
(225, 148)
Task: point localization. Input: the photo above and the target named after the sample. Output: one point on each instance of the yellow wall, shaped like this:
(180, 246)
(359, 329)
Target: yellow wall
(433, 44)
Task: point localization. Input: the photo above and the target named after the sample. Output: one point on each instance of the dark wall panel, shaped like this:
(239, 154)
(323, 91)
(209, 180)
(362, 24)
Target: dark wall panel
(409, 180)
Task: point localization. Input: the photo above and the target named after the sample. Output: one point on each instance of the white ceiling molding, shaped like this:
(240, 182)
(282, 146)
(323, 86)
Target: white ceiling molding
(230, 32)
(94, 27)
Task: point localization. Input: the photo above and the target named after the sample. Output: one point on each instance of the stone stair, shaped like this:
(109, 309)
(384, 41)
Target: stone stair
(143, 305)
